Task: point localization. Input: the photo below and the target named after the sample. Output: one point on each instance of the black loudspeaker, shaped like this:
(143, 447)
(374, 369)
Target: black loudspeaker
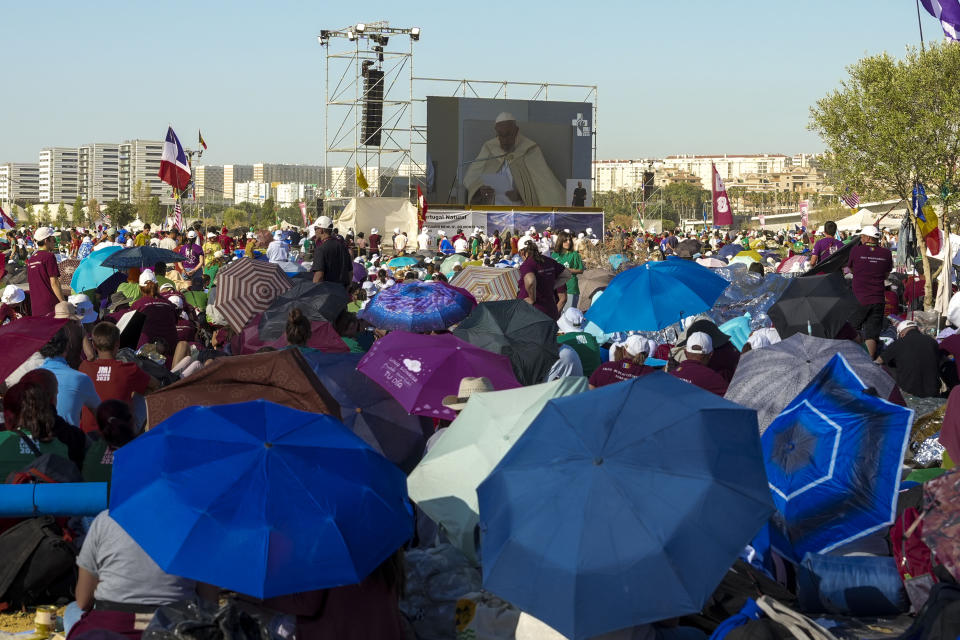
(319, 207)
(647, 184)
(372, 107)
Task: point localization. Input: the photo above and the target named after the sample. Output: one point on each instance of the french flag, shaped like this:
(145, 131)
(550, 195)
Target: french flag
(6, 222)
(174, 169)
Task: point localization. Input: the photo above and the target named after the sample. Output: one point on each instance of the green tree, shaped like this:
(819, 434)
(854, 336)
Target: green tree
(268, 213)
(142, 197)
(31, 217)
(44, 215)
(93, 212)
(76, 215)
(62, 219)
(154, 211)
(234, 217)
(893, 122)
(121, 213)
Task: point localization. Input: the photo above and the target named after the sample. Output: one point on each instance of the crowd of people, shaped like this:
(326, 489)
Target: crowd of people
(79, 396)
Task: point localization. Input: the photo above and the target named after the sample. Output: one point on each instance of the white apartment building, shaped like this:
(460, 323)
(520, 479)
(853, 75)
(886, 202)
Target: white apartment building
(615, 175)
(287, 193)
(58, 174)
(19, 181)
(140, 161)
(730, 167)
(232, 174)
(99, 172)
(251, 191)
(208, 179)
(343, 180)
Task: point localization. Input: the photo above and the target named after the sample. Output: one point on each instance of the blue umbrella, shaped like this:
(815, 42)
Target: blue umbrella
(260, 499)
(402, 261)
(623, 505)
(833, 459)
(727, 251)
(141, 257)
(418, 307)
(90, 273)
(655, 295)
(369, 411)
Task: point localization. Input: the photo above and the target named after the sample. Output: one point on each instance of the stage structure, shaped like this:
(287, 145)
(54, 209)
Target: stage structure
(368, 113)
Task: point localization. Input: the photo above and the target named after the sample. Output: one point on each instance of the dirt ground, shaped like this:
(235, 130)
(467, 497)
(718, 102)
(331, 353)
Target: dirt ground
(15, 621)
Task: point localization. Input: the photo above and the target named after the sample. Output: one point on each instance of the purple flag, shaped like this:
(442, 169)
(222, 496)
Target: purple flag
(948, 13)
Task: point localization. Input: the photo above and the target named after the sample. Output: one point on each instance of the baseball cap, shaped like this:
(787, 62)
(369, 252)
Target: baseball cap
(176, 301)
(191, 234)
(211, 234)
(906, 324)
(374, 230)
(635, 345)
(871, 231)
(42, 234)
(147, 276)
(326, 222)
(699, 342)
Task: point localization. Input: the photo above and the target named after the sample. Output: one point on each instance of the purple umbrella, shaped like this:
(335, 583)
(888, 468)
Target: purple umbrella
(420, 370)
(359, 272)
(418, 307)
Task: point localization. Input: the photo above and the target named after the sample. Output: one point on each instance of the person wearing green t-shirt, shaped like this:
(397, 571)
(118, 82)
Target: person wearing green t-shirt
(565, 255)
(570, 332)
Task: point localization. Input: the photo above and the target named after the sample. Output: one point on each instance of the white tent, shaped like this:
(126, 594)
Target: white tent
(386, 214)
(864, 217)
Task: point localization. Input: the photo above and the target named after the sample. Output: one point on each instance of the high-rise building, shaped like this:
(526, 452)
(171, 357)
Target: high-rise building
(302, 173)
(208, 179)
(288, 193)
(615, 175)
(251, 191)
(19, 181)
(140, 162)
(99, 172)
(233, 173)
(58, 174)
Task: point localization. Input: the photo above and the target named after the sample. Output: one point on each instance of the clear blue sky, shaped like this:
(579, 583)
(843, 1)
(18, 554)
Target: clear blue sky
(692, 76)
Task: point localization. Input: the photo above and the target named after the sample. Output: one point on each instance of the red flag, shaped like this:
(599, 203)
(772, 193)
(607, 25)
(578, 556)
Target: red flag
(722, 215)
(303, 213)
(421, 209)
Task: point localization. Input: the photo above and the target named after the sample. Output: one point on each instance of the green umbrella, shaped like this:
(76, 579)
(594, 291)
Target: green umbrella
(445, 482)
(446, 267)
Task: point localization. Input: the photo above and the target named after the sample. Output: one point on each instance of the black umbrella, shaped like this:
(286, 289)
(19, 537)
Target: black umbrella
(836, 261)
(815, 305)
(323, 301)
(141, 257)
(517, 330)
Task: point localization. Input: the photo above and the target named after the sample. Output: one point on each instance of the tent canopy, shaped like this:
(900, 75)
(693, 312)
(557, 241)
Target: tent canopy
(864, 217)
(387, 214)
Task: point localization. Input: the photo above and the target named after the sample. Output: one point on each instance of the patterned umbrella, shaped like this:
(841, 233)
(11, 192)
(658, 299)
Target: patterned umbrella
(418, 307)
(941, 531)
(711, 263)
(793, 264)
(67, 268)
(141, 257)
(247, 287)
(488, 284)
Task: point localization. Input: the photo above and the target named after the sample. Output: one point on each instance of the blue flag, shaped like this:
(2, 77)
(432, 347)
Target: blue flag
(919, 199)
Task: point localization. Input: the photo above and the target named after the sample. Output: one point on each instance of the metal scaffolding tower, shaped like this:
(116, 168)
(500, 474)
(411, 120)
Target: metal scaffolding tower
(363, 61)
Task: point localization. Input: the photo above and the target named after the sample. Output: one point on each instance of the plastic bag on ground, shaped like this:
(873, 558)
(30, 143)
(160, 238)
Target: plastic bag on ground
(436, 579)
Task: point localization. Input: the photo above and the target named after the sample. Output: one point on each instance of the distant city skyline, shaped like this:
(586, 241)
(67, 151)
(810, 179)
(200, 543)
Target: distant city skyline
(697, 77)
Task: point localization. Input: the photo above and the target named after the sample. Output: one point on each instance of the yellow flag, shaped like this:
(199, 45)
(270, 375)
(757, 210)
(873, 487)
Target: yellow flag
(361, 179)
(930, 224)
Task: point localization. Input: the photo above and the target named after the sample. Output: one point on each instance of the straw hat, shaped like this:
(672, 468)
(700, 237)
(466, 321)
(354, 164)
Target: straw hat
(468, 387)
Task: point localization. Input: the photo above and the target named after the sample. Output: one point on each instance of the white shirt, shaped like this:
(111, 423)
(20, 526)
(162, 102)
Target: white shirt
(278, 251)
(105, 244)
(168, 243)
(461, 245)
(423, 241)
(400, 242)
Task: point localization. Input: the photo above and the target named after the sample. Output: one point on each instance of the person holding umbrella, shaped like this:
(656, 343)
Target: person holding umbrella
(870, 265)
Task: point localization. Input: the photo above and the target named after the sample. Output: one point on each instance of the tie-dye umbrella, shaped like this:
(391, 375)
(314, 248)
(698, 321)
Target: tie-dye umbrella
(418, 307)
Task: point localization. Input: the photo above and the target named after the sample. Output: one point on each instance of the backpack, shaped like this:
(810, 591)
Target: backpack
(741, 584)
(46, 468)
(939, 619)
(37, 566)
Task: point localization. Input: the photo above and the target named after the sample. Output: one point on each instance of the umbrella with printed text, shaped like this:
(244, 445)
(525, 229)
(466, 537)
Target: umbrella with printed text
(590, 523)
(260, 499)
(419, 370)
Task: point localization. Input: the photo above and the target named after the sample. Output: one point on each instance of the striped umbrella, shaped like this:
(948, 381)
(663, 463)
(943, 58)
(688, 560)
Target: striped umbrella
(488, 284)
(246, 287)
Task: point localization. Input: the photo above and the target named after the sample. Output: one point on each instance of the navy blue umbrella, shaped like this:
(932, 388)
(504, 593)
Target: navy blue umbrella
(369, 411)
(729, 250)
(141, 257)
(833, 459)
(623, 505)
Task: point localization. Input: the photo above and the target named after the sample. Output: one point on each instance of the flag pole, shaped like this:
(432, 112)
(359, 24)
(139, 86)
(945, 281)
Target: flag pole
(920, 25)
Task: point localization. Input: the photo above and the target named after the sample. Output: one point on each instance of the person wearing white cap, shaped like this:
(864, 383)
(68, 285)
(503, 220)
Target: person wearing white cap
(331, 259)
(423, 241)
(210, 246)
(192, 254)
(914, 361)
(446, 247)
(400, 241)
(11, 304)
(570, 332)
(694, 368)
(84, 308)
(278, 250)
(515, 166)
(43, 275)
(161, 316)
(870, 265)
(628, 362)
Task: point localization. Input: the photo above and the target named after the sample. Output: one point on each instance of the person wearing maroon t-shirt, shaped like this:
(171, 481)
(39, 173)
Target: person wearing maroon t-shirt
(161, 316)
(113, 379)
(826, 246)
(538, 279)
(373, 242)
(628, 363)
(694, 369)
(43, 275)
(870, 265)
